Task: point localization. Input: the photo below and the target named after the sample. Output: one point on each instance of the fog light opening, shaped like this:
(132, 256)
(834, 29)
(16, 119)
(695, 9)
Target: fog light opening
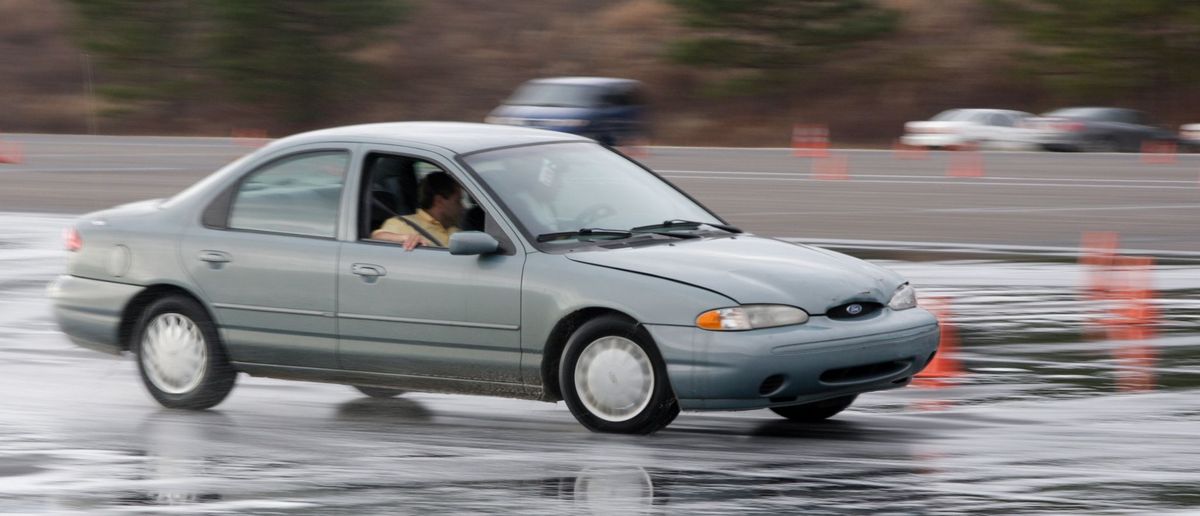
(772, 384)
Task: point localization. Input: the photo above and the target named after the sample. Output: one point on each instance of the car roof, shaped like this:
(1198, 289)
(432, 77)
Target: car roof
(456, 137)
(1094, 109)
(584, 81)
(987, 110)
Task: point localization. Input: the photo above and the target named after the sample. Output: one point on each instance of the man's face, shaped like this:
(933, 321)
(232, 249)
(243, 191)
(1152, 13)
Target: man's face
(452, 206)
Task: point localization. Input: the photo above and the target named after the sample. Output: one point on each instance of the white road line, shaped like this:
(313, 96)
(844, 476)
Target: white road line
(976, 248)
(994, 210)
(947, 181)
(92, 169)
(1018, 209)
(215, 152)
(933, 176)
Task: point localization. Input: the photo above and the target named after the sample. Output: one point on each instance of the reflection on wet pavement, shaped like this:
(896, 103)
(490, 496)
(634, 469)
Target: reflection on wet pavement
(1066, 402)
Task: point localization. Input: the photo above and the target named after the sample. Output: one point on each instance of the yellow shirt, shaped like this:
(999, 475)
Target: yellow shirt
(425, 221)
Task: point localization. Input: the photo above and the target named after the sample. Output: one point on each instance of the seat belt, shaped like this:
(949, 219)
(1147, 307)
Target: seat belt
(421, 230)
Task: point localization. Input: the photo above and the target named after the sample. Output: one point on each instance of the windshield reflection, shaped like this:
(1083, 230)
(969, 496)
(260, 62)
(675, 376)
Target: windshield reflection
(566, 187)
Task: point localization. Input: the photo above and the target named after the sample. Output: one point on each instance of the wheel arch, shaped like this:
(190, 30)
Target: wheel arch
(556, 342)
(134, 308)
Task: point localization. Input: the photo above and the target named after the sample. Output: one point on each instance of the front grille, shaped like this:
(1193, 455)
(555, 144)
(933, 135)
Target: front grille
(853, 310)
(863, 372)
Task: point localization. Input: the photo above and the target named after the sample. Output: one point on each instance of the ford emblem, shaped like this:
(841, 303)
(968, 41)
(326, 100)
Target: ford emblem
(854, 309)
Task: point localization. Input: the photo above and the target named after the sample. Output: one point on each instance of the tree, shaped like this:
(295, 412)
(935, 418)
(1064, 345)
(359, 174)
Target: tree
(1099, 50)
(295, 52)
(776, 41)
(288, 55)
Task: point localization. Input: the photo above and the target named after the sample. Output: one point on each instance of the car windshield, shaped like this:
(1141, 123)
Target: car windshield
(555, 95)
(954, 115)
(1088, 113)
(569, 187)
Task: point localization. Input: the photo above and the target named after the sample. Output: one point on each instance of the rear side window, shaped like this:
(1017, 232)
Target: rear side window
(297, 195)
(1001, 119)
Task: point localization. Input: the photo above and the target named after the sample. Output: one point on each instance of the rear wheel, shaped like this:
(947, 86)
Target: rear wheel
(378, 392)
(614, 380)
(817, 410)
(180, 356)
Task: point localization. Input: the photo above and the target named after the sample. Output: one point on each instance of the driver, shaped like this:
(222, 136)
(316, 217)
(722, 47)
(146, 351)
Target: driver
(534, 195)
(439, 198)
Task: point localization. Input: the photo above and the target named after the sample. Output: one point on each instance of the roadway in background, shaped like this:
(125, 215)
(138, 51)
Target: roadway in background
(1023, 198)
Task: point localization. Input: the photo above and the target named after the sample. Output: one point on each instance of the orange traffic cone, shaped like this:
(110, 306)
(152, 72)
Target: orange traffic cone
(11, 153)
(637, 149)
(968, 163)
(1159, 153)
(946, 363)
(832, 168)
(252, 138)
(1098, 254)
(810, 141)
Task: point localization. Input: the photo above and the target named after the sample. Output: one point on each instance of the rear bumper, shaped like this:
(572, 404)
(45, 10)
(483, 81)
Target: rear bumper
(818, 360)
(89, 311)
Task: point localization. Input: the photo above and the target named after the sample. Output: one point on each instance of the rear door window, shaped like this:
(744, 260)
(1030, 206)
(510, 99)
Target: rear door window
(298, 194)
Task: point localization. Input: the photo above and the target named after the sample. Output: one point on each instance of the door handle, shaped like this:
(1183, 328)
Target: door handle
(368, 270)
(214, 256)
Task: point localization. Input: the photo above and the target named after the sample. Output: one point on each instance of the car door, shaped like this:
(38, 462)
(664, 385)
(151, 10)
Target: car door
(426, 312)
(266, 258)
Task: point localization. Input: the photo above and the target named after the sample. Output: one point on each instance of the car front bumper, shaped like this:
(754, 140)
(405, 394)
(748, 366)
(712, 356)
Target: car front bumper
(89, 311)
(933, 140)
(821, 359)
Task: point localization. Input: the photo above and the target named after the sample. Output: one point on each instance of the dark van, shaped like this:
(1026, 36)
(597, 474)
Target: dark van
(607, 110)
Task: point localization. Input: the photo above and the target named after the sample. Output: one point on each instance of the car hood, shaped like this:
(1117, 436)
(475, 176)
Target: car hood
(750, 270)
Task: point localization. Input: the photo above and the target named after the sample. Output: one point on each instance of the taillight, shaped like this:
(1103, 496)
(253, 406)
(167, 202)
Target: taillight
(71, 239)
(1070, 127)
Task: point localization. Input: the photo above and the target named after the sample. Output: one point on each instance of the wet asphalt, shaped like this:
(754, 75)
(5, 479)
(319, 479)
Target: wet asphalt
(1053, 405)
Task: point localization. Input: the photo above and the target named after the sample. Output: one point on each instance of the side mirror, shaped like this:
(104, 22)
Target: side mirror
(473, 242)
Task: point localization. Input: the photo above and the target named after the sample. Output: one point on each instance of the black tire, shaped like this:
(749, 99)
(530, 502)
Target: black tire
(817, 410)
(378, 392)
(218, 377)
(662, 406)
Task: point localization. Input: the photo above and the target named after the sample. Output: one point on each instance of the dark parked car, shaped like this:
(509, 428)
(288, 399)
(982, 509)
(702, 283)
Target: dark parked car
(1096, 129)
(607, 110)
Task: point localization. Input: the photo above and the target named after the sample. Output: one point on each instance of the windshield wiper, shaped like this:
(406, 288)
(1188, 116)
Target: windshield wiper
(619, 233)
(685, 224)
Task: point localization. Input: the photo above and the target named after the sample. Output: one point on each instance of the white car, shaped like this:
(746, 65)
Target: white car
(991, 128)
(1189, 137)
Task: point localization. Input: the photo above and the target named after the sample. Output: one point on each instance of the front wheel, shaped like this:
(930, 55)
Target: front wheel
(180, 356)
(614, 380)
(815, 411)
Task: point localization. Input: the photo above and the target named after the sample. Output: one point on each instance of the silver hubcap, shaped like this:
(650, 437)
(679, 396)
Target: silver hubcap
(614, 378)
(173, 353)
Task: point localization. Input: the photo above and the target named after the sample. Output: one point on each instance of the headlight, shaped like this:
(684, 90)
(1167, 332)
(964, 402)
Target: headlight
(904, 298)
(572, 122)
(750, 317)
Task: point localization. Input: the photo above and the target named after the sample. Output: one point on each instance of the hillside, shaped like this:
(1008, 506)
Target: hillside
(455, 59)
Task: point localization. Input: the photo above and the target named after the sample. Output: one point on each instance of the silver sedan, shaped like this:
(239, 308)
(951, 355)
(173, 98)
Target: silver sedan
(481, 259)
